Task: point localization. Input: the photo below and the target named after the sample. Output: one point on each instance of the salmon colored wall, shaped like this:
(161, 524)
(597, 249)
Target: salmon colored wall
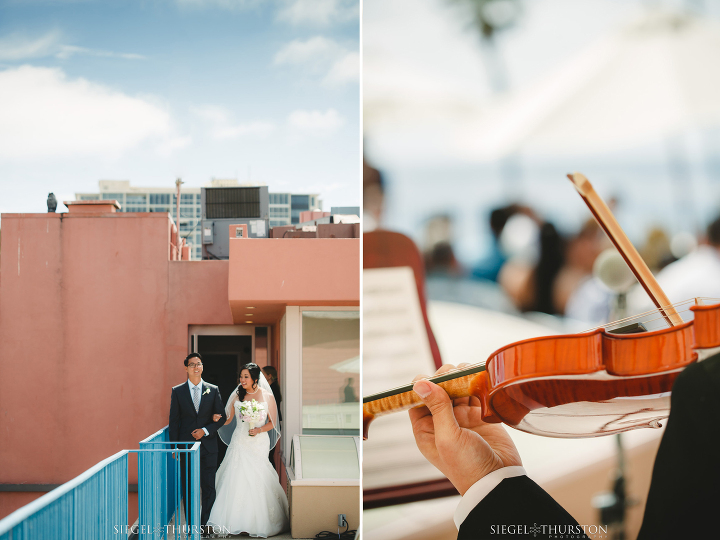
(271, 273)
(93, 332)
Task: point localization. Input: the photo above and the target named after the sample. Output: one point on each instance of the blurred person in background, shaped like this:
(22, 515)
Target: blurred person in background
(656, 252)
(580, 253)
(373, 197)
(536, 253)
(697, 274)
(441, 261)
(272, 379)
(438, 252)
(489, 267)
(579, 295)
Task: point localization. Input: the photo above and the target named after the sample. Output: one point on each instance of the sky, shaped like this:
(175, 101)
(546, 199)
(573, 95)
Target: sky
(264, 91)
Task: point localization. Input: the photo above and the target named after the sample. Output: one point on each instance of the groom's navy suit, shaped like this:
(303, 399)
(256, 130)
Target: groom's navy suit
(183, 421)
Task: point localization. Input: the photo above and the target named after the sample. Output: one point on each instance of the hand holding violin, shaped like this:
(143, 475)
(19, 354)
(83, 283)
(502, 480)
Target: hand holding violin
(452, 436)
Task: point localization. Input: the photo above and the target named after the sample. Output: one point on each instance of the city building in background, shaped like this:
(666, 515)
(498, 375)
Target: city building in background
(225, 206)
(284, 208)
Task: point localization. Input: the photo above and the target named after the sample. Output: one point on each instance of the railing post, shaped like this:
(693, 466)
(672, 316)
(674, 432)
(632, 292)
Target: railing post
(196, 492)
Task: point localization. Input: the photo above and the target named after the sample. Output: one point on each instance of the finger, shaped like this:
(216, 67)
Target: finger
(417, 413)
(440, 405)
(419, 377)
(463, 365)
(445, 368)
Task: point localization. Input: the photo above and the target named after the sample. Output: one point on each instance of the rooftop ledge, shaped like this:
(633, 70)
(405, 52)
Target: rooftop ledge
(92, 207)
(266, 275)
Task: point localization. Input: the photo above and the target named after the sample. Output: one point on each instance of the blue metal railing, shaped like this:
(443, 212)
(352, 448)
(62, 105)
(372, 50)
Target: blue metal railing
(160, 490)
(94, 505)
(91, 506)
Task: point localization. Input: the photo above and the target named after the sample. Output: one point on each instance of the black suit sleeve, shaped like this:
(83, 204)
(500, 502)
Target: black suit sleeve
(685, 486)
(218, 408)
(174, 421)
(519, 508)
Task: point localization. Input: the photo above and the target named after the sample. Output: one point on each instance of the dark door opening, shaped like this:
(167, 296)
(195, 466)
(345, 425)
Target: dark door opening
(223, 356)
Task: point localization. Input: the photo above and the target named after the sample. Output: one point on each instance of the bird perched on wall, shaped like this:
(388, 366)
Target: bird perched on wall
(51, 202)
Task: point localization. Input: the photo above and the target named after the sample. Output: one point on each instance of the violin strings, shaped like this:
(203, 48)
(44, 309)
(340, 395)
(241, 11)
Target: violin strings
(653, 312)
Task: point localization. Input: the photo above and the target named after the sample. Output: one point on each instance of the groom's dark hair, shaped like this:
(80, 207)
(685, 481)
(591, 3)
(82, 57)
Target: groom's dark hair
(192, 355)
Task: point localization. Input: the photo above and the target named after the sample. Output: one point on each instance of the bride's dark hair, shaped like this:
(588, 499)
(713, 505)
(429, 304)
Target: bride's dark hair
(254, 371)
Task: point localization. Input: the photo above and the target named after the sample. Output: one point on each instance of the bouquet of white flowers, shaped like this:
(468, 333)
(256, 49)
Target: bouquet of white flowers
(253, 412)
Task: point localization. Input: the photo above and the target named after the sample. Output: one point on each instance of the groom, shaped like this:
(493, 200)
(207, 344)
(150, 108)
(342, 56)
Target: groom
(192, 405)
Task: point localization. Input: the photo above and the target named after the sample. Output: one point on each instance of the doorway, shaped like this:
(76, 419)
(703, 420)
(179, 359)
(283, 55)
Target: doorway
(225, 349)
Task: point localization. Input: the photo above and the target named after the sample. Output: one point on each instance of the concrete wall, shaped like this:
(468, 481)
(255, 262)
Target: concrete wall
(93, 332)
(314, 509)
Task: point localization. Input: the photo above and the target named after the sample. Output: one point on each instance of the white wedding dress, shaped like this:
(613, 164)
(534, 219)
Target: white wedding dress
(249, 497)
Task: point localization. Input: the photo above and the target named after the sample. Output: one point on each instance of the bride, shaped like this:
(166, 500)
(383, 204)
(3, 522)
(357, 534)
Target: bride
(249, 497)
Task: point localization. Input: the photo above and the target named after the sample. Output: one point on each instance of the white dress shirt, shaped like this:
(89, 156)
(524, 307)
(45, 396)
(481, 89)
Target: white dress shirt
(199, 387)
(479, 490)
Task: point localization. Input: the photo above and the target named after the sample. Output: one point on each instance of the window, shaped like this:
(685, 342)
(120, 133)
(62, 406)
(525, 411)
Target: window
(136, 198)
(186, 212)
(279, 212)
(300, 202)
(135, 209)
(278, 198)
(331, 372)
(187, 198)
(328, 457)
(160, 209)
(89, 197)
(113, 196)
(160, 198)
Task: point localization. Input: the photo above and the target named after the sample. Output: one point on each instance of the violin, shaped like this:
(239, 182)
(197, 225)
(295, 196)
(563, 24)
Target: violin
(607, 380)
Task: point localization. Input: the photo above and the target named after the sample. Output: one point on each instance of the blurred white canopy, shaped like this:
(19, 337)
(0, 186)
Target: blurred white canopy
(655, 78)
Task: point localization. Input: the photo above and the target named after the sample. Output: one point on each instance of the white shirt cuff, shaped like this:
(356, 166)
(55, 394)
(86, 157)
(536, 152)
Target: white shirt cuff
(479, 490)
(206, 432)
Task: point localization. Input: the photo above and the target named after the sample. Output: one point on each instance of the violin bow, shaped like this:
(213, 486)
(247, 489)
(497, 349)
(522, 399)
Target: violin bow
(609, 224)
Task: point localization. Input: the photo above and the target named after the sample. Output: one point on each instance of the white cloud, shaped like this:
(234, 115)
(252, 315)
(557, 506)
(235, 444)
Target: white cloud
(221, 125)
(14, 47)
(315, 52)
(344, 70)
(318, 12)
(319, 55)
(66, 51)
(316, 122)
(45, 114)
(19, 47)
